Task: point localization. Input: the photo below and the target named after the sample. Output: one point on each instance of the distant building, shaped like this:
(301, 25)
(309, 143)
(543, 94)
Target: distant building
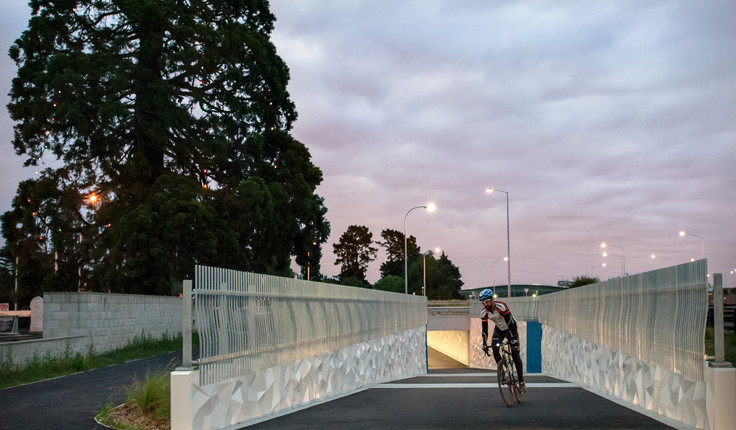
(517, 290)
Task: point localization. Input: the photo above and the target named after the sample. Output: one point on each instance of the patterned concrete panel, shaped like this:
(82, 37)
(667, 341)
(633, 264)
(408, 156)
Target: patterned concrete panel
(278, 389)
(643, 385)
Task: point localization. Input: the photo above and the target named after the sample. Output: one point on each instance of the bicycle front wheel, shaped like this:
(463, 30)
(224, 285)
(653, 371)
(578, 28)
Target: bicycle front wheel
(505, 382)
(514, 384)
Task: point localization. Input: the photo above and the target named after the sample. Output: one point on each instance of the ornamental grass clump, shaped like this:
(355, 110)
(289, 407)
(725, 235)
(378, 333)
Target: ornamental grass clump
(152, 396)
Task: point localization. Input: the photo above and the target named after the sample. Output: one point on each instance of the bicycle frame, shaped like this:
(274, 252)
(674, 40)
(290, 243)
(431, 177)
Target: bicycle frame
(508, 382)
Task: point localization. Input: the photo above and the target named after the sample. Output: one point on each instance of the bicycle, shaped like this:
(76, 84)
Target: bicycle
(508, 382)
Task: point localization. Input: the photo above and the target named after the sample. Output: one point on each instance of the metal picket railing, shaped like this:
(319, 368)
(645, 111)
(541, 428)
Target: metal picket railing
(658, 316)
(249, 322)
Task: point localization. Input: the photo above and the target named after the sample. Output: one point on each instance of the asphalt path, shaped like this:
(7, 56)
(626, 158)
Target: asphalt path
(71, 402)
(451, 396)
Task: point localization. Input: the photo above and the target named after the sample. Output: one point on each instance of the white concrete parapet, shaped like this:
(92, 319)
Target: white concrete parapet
(263, 394)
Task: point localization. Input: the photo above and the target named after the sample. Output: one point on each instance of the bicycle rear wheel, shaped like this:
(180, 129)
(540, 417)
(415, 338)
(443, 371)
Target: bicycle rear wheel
(504, 382)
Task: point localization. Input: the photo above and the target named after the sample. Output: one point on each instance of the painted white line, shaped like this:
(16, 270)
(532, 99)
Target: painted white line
(475, 385)
(449, 375)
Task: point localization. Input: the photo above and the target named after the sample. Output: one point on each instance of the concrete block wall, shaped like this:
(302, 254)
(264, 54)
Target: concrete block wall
(111, 321)
(74, 322)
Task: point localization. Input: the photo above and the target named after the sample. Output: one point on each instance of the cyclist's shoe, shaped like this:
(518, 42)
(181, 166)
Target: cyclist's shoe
(522, 387)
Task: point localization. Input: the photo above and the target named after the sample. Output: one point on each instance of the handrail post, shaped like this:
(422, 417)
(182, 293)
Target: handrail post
(186, 321)
(718, 321)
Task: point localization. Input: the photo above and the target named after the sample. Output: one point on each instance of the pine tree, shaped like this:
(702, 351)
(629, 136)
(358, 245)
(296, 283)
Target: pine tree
(394, 245)
(354, 252)
(176, 116)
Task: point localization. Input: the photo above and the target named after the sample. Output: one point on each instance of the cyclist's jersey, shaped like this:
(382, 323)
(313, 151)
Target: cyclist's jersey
(501, 316)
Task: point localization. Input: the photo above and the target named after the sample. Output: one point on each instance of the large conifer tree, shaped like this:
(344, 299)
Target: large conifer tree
(354, 251)
(394, 245)
(175, 115)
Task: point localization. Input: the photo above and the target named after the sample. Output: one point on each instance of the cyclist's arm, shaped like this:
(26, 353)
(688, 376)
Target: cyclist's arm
(484, 326)
(508, 318)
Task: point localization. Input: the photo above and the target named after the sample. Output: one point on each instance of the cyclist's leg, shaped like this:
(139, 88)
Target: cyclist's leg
(515, 350)
(495, 343)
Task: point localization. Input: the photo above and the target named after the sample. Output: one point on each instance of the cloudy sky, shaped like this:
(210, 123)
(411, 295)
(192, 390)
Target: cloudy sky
(604, 121)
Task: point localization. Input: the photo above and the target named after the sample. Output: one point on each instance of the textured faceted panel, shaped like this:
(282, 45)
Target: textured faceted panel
(643, 385)
(254, 396)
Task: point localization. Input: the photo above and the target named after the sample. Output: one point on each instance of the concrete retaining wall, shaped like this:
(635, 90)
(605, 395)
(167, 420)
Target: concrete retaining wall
(75, 322)
(23, 351)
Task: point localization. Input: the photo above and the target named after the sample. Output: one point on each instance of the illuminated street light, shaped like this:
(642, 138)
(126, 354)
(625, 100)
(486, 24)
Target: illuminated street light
(490, 190)
(623, 257)
(605, 254)
(683, 233)
(430, 207)
(598, 265)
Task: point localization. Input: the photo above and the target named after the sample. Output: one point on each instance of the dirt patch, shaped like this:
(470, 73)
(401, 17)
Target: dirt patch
(132, 416)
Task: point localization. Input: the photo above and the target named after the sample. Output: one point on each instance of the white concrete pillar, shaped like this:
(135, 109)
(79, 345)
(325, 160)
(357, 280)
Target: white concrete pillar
(720, 398)
(182, 409)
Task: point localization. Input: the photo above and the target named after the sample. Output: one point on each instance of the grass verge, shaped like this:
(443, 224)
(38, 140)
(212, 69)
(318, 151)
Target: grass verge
(39, 368)
(729, 344)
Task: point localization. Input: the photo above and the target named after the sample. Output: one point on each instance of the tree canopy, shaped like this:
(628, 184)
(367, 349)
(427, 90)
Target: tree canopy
(442, 277)
(170, 121)
(354, 251)
(393, 243)
(581, 280)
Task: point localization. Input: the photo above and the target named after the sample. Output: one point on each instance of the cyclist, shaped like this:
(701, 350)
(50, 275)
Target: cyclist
(499, 313)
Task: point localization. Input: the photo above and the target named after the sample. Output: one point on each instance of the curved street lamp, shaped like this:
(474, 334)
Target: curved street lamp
(490, 190)
(430, 207)
(596, 266)
(623, 257)
(683, 233)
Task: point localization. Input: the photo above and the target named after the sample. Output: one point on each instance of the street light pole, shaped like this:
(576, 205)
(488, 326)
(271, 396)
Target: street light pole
(494, 272)
(15, 307)
(597, 265)
(489, 190)
(623, 258)
(424, 278)
(430, 208)
(683, 233)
